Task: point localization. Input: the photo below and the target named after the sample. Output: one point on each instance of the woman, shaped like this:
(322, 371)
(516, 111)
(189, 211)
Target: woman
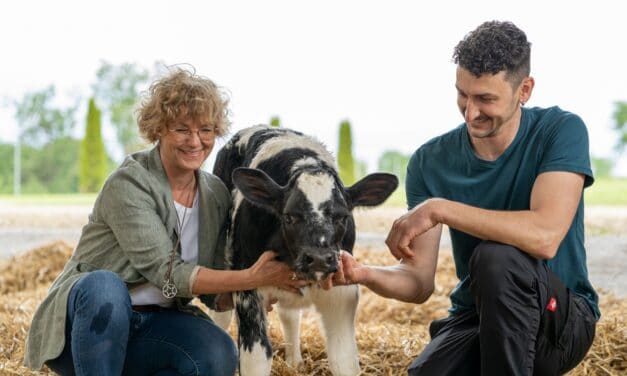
(154, 240)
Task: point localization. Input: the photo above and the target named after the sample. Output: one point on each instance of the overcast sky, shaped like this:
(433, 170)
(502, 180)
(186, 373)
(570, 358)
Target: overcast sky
(385, 66)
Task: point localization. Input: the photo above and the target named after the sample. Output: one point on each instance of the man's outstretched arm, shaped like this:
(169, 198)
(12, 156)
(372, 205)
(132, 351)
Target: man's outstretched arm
(412, 280)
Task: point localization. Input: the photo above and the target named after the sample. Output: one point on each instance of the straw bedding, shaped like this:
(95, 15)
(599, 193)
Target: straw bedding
(389, 333)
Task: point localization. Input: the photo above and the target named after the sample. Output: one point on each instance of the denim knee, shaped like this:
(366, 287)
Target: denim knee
(221, 358)
(102, 290)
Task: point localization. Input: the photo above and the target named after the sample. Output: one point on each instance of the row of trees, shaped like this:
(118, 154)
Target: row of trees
(48, 159)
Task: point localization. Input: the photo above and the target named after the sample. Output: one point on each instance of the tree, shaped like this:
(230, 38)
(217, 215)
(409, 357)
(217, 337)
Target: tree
(275, 122)
(345, 160)
(602, 167)
(93, 157)
(118, 89)
(394, 162)
(620, 124)
(39, 123)
(52, 168)
(361, 169)
(6, 170)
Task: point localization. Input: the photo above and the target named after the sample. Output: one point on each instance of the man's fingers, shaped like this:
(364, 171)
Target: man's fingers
(338, 276)
(294, 290)
(327, 283)
(407, 252)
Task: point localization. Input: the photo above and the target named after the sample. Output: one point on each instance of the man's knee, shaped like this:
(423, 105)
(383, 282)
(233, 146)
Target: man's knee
(502, 271)
(490, 260)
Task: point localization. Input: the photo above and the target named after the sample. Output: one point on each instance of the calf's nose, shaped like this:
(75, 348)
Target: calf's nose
(323, 262)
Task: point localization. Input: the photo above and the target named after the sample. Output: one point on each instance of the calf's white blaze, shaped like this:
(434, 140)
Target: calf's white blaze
(303, 162)
(318, 189)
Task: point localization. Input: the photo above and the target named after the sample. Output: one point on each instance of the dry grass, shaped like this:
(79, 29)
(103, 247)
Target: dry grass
(389, 333)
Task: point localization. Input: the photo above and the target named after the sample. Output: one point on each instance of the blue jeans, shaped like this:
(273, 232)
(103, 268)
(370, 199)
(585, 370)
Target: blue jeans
(104, 336)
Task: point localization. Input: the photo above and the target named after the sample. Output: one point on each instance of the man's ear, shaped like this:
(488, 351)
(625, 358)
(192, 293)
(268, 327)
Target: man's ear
(372, 190)
(257, 187)
(525, 89)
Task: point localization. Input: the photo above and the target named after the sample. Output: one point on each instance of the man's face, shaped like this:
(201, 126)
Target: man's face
(488, 103)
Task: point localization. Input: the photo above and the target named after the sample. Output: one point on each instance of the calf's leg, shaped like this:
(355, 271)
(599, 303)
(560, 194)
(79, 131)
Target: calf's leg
(337, 308)
(255, 352)
(290, 321)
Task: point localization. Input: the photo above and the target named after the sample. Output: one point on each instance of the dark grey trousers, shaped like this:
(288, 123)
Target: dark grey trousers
(526, 323)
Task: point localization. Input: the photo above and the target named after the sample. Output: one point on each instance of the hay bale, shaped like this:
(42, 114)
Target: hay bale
(389, 333)
(35, 268)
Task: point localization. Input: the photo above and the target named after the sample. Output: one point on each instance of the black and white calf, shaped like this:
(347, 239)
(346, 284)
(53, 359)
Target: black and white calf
(288, 198)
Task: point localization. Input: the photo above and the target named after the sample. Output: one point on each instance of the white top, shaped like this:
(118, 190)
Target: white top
(148, 293)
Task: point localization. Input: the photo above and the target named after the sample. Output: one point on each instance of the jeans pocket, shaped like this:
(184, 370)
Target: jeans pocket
(137, 319)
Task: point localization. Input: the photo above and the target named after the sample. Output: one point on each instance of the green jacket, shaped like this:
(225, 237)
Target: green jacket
(131, 231)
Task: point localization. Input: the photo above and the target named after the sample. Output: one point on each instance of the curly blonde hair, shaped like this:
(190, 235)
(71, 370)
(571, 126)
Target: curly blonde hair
(182, 93)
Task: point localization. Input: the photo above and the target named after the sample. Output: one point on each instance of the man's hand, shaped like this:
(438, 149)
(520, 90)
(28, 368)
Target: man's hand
(349, 272)
(414, 223)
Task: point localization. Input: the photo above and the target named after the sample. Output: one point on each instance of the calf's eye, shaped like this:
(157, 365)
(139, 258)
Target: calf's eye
(289, 218)
(340, 218)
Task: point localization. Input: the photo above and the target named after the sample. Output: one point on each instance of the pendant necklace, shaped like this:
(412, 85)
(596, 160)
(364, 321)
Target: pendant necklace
(169, 290)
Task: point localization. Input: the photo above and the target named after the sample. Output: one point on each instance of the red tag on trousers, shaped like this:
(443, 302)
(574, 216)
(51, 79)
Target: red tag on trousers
(552, 306)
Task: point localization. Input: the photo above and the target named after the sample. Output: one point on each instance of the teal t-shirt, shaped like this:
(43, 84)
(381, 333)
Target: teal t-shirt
(548, 140)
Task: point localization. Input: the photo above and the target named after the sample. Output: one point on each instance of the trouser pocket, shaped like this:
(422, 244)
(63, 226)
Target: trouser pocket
(578, 334)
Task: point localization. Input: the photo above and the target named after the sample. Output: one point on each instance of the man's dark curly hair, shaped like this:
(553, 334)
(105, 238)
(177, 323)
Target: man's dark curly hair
(493, 47)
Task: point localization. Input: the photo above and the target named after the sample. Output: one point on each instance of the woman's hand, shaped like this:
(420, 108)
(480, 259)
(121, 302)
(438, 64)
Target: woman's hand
(224, 302)
(269, 272)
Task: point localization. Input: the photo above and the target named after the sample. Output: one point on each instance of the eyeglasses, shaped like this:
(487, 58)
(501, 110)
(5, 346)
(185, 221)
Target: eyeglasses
(204, 134)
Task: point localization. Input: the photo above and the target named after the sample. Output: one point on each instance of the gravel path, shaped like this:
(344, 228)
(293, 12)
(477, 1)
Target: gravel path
(25, 227)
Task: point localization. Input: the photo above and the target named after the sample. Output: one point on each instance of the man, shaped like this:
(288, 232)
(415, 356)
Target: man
(509, 184)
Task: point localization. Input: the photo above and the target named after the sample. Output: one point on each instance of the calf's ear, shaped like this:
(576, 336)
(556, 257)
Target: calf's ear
(372, 190)
(257, 187)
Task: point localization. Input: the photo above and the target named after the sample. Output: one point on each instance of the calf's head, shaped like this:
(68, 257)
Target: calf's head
(315, 212)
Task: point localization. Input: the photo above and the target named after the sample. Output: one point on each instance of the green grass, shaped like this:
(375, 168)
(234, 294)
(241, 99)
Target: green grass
(607, 191)
(397, 199)
(51, 199)
(604, 191)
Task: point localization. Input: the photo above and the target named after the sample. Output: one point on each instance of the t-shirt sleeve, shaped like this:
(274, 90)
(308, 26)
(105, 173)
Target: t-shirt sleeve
(415, 187)
(567, 148)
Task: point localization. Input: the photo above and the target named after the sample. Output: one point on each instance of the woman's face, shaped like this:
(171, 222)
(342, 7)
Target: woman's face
(186, 144)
